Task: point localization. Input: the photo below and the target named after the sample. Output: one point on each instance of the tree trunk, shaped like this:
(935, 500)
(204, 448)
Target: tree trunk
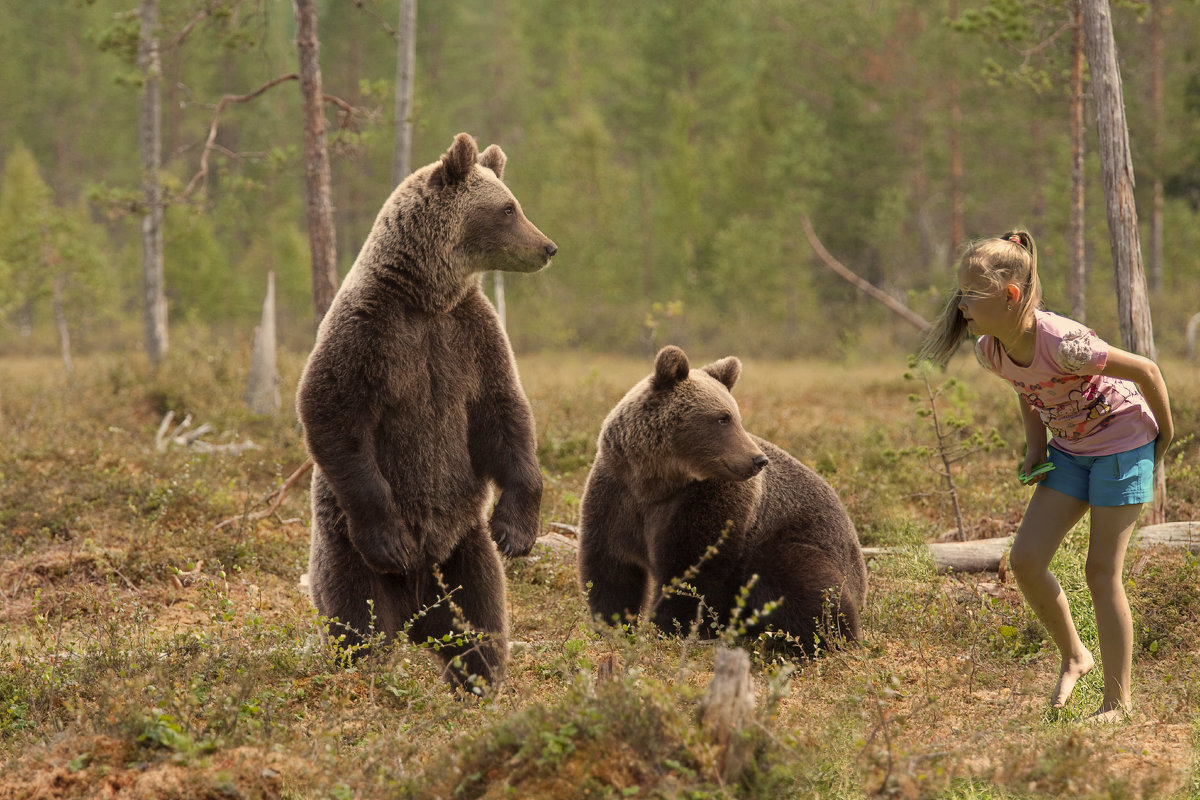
(1156, 102)
(60, 322)
(1192, 325)
(501, 302)
(1116, 165)
(406, 60)
(154, 311)
(1076, 257)
(957, 204)
(322, 243)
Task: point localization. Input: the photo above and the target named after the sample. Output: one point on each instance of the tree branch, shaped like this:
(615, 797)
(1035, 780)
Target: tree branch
(392, 32)
(907, 314)
(201, 176)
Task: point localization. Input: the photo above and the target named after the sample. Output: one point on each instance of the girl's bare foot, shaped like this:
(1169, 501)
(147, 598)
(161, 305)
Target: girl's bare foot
(1072, 670)
(1109, 716)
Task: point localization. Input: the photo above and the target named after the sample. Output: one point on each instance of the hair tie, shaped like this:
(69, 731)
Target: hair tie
(1015, 238)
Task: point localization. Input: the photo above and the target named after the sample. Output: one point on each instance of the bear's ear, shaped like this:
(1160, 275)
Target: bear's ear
(727, 370)
(494, 159)
(670, 367)
(457, 162)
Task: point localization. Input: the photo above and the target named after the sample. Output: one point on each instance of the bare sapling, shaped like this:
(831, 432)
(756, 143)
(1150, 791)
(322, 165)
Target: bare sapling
(955, 437)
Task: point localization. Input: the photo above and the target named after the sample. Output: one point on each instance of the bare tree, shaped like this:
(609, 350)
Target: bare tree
(957, 225)
(1156, 102)
(321, 240)
(1076, 257)
(154, 309)
(406, 59)
(1116, 166)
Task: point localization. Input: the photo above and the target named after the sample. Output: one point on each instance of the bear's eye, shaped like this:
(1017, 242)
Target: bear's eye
(725, 418)
(509, 211)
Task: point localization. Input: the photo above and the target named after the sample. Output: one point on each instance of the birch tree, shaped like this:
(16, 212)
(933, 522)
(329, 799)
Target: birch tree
(406, 59)
(154, 298)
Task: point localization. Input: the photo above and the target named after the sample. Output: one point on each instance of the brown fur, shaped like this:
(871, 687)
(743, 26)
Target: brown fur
(413, 410)
(673, 471)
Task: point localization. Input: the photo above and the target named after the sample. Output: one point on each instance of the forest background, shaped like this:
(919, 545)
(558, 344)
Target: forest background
(669, 149)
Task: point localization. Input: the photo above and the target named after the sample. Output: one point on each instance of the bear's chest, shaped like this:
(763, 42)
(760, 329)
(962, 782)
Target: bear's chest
(432, 369)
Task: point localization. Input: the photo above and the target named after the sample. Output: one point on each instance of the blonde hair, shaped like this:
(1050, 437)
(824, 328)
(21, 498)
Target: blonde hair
(1009, 258)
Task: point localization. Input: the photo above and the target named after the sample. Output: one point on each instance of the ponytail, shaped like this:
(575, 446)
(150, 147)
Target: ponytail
(945, 334)
(1010, 258)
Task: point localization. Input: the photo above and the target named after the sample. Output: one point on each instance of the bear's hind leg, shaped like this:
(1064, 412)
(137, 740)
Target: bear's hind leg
(817, 611)
(341, 584)
(474, 612)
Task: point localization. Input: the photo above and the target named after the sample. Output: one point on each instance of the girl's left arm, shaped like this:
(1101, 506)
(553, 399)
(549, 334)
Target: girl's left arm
(1146, 374)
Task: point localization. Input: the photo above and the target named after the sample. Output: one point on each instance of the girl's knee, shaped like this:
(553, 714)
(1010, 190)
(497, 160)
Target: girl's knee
(1024, 564)
(1102, 575)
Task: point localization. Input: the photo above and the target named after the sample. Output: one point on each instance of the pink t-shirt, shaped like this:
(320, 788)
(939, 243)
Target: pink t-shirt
(1088, 414)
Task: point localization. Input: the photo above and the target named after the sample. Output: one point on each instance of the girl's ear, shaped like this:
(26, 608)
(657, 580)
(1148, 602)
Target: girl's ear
(1012, 294)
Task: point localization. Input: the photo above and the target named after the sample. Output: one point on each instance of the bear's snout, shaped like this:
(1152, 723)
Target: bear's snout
(759, 462)
(551, 249)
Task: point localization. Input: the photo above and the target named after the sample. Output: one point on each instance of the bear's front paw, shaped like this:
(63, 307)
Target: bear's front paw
(513, 533)
(386, 549)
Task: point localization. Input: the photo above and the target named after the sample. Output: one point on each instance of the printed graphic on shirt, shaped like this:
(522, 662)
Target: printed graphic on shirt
(1084, 409)
(1076, 350)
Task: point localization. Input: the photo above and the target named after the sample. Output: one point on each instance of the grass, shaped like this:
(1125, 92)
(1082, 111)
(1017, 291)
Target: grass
(145, 653)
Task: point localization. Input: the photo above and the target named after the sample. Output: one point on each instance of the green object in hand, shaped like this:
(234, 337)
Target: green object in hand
(1040, 469)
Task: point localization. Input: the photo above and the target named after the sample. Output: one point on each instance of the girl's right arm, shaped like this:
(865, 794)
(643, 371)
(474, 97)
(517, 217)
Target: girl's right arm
(1035, 439)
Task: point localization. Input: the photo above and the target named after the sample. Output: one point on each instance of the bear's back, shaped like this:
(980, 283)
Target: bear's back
(799, 504)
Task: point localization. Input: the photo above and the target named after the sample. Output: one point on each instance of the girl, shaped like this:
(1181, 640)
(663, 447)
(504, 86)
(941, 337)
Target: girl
(1110, 423)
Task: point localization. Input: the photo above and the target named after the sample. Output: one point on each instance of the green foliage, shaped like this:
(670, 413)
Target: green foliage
(673, 174)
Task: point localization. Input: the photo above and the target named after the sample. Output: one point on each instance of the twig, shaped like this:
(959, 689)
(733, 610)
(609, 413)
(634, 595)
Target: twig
(275, 498)
(202, 173)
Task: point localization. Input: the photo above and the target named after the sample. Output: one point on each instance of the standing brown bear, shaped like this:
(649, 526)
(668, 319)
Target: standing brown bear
(413, 411)
(675, 475)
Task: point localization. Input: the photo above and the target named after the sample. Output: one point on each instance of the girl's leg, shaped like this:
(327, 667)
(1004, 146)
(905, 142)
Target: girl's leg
(1111, 529)
(1050, 516)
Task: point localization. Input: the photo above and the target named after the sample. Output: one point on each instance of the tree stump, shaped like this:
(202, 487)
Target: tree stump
(728, 710)
(262, 387)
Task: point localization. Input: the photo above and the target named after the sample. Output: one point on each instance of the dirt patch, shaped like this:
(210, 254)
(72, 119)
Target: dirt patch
(104, 767)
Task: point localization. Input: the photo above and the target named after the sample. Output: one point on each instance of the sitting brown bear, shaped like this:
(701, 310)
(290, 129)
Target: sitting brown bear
(675, 475)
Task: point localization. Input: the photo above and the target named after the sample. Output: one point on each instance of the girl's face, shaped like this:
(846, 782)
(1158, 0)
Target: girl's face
(984, 306)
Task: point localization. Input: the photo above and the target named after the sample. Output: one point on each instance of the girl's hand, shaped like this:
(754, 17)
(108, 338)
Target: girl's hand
(1029, 466)
(1160, 447)
(1160, 451)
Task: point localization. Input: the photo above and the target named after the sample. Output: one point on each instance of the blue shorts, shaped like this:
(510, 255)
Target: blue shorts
(1121, 479)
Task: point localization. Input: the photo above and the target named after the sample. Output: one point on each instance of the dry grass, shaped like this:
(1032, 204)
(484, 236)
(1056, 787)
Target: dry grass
(143, 654)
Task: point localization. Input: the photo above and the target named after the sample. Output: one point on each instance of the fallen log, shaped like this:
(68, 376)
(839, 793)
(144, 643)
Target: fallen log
(985, 555)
